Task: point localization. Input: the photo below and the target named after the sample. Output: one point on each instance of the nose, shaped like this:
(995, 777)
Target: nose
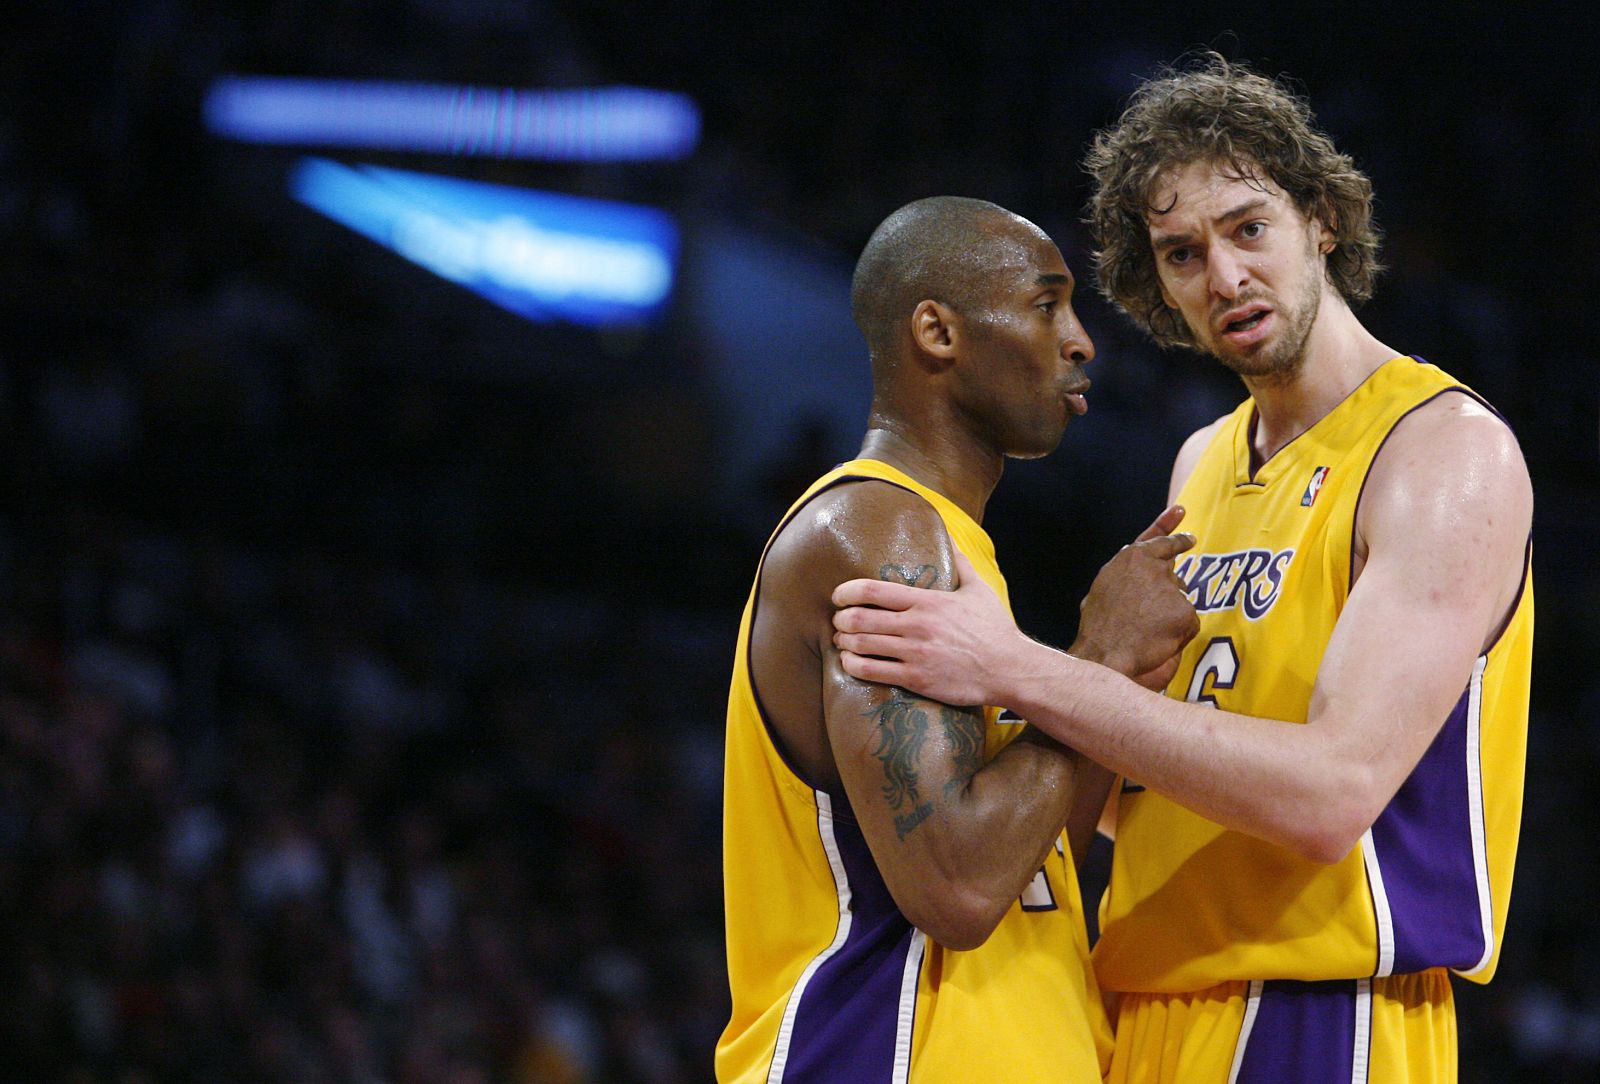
(1076, 346)
(1226, 271)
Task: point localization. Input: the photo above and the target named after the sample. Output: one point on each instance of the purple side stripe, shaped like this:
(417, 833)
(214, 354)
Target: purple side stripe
(1423, 842)
(844, 1030)
(1304, 1032)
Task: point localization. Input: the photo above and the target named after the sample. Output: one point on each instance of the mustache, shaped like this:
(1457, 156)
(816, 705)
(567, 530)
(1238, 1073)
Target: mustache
(1249, 297)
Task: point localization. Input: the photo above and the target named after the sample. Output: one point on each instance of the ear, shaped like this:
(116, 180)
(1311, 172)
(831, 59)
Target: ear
(935, 330)
(1326, 226)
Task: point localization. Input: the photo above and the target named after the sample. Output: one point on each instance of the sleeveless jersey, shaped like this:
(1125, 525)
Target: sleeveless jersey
(1191, 904)
(830, 983)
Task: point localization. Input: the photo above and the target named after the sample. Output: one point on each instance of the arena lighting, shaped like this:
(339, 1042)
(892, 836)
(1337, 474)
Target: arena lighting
(590, 125)
(541, 255)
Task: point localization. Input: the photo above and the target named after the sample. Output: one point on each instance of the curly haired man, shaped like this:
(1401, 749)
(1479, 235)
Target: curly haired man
(1318, 823)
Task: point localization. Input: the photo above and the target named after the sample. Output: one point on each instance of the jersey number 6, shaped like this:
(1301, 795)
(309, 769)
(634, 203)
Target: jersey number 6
(1218, 668)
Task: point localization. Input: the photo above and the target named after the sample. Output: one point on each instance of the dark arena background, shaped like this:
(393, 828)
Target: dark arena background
(391, 417)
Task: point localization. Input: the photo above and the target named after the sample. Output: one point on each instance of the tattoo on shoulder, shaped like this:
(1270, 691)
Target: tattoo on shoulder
(902, 732)
(915, 575)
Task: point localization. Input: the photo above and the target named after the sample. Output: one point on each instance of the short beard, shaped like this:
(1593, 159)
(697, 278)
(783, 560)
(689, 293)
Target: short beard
(1281, 363)
(1284, 362)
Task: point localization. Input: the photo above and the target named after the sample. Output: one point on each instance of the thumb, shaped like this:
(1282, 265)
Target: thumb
(967, 573)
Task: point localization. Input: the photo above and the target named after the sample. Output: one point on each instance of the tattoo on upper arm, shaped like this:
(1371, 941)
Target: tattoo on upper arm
(915, 575)
(902, 732)
(964, 731)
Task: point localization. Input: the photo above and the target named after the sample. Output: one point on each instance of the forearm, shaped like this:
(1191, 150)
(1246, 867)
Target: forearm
(1093, 785)
(1278, 781)
(956, 839)
(1091, 790)
(1001, 823)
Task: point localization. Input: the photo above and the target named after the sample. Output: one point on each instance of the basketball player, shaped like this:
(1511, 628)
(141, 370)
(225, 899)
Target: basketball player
(1326, 828)
(900, 906)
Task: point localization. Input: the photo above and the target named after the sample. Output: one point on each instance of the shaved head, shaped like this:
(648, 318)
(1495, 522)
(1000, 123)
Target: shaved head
(943, 248)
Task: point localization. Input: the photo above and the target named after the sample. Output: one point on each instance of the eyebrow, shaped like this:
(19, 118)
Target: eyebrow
(1172, 240)
(1053, 278)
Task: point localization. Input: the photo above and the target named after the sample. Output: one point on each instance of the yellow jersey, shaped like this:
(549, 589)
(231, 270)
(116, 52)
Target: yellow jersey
(830, 983)
(1191, 904)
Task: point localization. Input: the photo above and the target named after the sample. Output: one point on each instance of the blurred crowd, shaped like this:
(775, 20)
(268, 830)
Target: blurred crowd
(363, 648)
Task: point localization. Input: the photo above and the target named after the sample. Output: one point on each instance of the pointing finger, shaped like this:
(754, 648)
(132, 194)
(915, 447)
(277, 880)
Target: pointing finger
(1169, 518)
(1169, 546)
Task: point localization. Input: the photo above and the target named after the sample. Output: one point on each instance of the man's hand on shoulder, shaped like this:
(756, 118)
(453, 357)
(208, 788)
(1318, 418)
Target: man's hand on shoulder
(962, 647)
(951, 646)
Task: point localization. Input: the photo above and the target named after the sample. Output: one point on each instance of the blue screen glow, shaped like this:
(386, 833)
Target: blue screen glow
(541, 255)
(588, 125)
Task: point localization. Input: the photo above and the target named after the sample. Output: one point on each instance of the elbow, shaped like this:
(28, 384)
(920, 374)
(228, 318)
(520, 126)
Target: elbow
(1321, 814)
(959, 917)
(1329, 835)
(1326, 848)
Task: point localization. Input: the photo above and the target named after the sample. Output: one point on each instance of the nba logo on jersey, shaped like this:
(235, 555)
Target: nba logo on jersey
(1314, 487)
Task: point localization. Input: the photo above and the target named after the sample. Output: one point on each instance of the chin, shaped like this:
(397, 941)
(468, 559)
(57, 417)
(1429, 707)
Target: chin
(1036, 450)
(1262, 364)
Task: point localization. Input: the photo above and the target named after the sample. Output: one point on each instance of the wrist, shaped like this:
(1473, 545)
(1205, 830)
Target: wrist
(1034, 675)
(1090, 651)
(1042, 686)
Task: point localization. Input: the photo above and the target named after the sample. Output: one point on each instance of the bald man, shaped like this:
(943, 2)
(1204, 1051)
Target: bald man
(901, 903)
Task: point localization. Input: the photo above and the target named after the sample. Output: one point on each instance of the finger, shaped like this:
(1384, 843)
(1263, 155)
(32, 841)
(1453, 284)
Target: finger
(880, 593)
(1170, 517)
(863, 668)
(868, 619)
(860, 643)
(1167, 546)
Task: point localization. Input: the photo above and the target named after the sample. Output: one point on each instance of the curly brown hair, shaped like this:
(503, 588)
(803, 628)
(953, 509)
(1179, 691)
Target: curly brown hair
(1222, 112)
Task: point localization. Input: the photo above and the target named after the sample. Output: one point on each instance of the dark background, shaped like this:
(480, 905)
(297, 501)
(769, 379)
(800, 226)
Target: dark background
(363, 647)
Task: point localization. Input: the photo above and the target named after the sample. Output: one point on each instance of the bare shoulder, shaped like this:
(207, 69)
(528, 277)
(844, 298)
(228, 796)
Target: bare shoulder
(866, 528)
(856, 529)
(1189, 455)
(1451, 454)
(1448, 499)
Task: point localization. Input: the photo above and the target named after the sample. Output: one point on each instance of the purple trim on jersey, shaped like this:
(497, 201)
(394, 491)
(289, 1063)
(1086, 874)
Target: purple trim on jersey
(755, 607)
(1303, 1031)
(1481, 401)
(1423, 842)
(1255, 416)
(1516, 602)
(1423, 838)
(1362, 492)
(846, 1025)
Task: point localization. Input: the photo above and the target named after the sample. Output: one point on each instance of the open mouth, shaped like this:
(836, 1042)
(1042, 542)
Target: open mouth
(1245, 323)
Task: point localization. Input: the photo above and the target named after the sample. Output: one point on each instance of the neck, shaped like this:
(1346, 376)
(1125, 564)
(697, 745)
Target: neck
(1340, 354)
(937, 456)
